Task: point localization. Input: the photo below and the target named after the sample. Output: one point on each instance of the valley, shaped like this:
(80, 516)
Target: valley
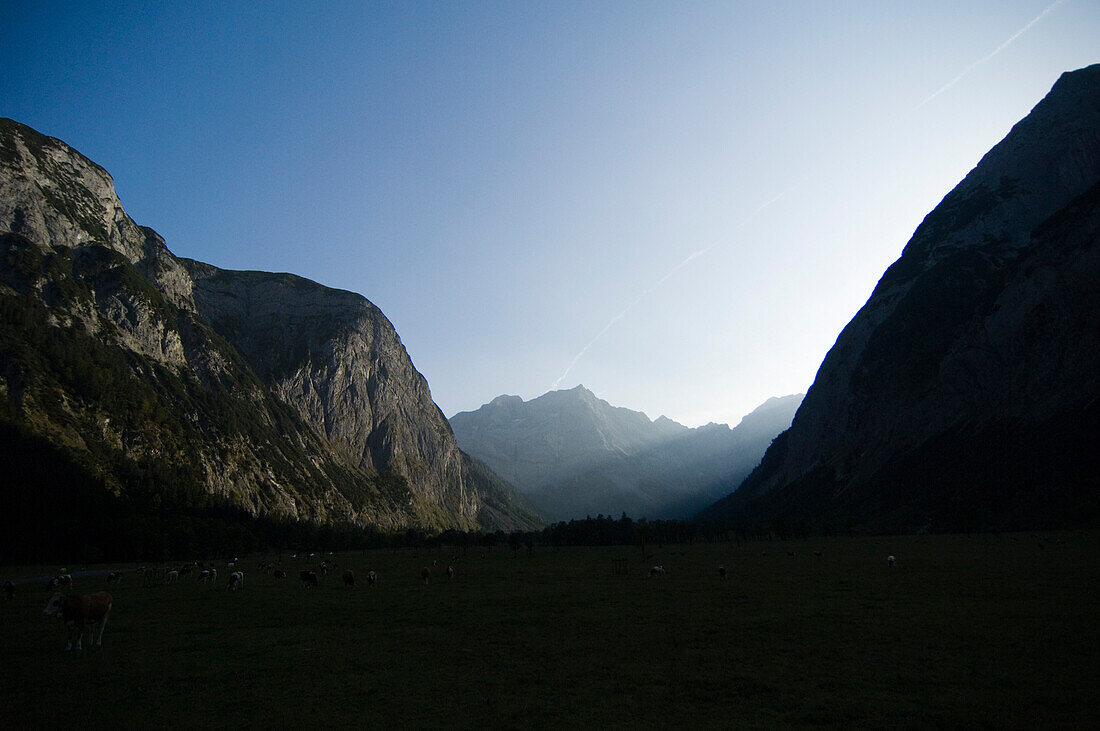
(979, 631)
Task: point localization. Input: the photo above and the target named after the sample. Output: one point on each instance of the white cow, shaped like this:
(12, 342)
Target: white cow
(61, 581)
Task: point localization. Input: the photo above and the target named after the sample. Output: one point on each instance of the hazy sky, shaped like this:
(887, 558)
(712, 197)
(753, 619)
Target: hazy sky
(678, 205)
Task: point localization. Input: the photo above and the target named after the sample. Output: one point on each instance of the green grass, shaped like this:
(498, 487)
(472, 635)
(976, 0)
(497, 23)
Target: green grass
(985, 631)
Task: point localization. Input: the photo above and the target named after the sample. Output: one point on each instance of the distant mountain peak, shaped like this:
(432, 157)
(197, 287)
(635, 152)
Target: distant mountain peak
(574, 453)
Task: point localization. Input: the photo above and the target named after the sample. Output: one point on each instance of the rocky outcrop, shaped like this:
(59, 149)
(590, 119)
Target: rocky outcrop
(939, 402)
(573, 454)
(338, 361)
(283, 396)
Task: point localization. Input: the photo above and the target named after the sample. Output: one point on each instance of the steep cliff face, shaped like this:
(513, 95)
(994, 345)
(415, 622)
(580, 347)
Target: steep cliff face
(283, 396)
(573, 454)
(338, 361)
(938, 402)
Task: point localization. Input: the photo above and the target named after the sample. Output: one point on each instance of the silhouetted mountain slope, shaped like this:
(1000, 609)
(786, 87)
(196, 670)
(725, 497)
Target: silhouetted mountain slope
(965, 392)
(158, 374)
(572, 454)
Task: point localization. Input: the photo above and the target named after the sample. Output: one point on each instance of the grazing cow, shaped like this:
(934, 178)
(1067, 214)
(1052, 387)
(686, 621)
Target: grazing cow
(114, 577)
(171, 576)
(890, 561)
(371, 578)
(279, 574)
(722, 572)
(349, 578)
(204, 576)
(657, 571)
(79, 611)
(425, 573)
(9, 589)
(236, 580)
(450, 572)
(308, 578)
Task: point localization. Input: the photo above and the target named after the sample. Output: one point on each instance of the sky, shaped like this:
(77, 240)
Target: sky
(678, 205)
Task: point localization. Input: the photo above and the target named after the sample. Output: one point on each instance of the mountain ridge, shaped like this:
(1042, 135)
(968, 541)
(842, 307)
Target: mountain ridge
(275, 393)
(573, 454)
(972, 331)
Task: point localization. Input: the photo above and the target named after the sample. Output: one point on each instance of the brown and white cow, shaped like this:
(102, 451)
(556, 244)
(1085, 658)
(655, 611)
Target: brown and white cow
(80, 611)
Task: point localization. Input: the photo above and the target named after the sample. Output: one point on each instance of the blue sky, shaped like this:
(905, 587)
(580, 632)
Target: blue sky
(678, 205)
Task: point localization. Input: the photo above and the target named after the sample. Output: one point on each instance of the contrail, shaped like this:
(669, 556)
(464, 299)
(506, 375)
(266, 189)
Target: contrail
(657, 285)
(770, 201)
(997, 50)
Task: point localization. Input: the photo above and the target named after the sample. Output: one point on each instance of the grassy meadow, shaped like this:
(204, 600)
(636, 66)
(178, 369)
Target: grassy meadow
(980, 631)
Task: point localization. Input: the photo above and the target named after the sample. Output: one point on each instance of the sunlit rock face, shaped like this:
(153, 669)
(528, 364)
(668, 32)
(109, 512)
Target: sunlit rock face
(964, 392)
(573, 454)
(289, 398)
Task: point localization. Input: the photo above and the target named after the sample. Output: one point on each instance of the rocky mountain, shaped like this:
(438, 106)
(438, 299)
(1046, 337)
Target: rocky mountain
(160, 375)
(965, 392)
(572, 454)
